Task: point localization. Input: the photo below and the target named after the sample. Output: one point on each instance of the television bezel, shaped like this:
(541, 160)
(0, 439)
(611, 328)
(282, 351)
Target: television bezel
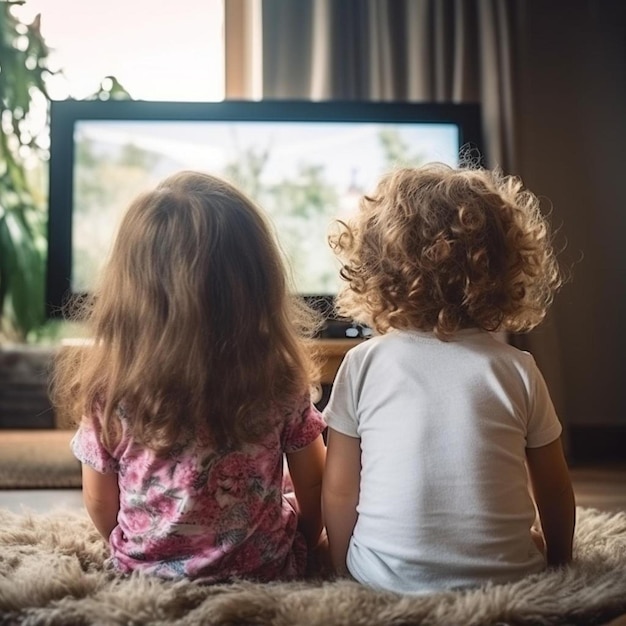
(64, 114)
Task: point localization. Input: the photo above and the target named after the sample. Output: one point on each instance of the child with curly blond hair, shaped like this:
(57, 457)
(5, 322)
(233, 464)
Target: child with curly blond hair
(195, 390)
(443, 441)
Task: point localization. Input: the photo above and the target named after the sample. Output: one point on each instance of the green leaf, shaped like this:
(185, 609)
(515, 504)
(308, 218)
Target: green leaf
(25, 285)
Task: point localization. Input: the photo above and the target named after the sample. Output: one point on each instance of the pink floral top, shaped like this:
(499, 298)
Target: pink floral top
(203, 513)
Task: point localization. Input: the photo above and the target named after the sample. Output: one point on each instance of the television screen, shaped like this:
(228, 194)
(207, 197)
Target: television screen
(305, 163)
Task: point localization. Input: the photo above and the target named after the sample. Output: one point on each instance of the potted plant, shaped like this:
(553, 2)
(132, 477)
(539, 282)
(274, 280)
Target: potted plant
(24, 97)
(23, 70)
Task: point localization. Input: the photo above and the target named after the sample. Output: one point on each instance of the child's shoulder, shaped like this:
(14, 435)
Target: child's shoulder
(367, 345)
(472, 339)
(378, 345)
(391, 339)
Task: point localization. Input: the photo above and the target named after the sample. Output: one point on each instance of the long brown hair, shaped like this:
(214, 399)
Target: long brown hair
(193, 321)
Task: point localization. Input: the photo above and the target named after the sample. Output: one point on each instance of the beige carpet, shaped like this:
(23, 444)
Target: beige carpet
(37, 459)
(51, 573)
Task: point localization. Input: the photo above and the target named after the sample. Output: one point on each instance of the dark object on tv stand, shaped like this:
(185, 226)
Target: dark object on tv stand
(344, 329)
(335, 327)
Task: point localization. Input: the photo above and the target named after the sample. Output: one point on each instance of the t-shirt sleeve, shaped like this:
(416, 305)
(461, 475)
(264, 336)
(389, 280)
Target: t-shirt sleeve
(544, 426)
(87, 447)
(340, 412)
(303, 426)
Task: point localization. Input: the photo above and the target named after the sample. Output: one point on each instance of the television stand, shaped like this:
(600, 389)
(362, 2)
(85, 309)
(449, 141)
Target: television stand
(332, 352)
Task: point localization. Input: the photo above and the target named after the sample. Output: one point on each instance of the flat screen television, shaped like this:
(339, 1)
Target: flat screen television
(304, 162)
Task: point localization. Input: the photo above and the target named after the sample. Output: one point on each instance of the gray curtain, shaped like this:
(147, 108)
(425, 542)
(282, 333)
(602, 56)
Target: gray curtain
(406, 50)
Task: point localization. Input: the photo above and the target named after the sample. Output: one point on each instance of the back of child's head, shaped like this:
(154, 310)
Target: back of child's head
(441, 249)
(193, 319)
(196, 256)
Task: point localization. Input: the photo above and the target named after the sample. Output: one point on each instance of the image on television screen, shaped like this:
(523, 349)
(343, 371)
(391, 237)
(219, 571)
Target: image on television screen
(303, 174)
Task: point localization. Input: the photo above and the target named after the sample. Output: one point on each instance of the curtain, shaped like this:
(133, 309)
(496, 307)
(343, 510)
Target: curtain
(406, 50)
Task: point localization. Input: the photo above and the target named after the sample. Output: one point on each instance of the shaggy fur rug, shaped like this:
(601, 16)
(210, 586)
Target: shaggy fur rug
(51, 573)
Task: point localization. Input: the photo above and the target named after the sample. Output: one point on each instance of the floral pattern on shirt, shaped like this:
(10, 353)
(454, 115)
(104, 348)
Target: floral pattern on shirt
(202, 513)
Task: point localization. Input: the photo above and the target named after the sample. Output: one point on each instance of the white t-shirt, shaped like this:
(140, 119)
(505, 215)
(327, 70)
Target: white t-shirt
(443, 426)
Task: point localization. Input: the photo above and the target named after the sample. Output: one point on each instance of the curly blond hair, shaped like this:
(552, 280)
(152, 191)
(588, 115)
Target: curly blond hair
(441, 249)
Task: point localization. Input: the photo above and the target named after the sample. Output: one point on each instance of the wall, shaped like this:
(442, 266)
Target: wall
(571, 133)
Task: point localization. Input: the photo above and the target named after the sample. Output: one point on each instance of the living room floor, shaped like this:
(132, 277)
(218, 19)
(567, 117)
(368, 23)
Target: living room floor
(596, 486)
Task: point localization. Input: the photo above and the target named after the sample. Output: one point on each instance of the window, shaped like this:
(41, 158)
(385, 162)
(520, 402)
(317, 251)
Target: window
(157, 51)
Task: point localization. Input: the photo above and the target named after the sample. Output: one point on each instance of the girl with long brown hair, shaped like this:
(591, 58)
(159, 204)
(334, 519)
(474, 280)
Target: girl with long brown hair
(195, 387)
